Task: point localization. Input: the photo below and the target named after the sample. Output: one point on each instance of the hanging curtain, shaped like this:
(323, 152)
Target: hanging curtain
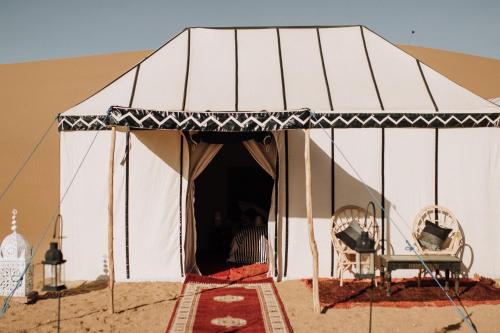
(201, 155)
(266, 156)
(279, 191)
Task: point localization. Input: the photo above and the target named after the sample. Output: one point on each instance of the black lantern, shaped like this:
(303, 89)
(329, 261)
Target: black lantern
(365, 257)
(53, 269)
(365, 252)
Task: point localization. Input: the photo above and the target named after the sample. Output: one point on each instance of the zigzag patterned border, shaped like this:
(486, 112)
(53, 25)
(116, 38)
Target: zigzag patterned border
(210, 121)
(404, 120)
(82, 123)
(271, 121)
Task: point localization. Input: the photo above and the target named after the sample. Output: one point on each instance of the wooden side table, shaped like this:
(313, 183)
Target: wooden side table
(447, 263)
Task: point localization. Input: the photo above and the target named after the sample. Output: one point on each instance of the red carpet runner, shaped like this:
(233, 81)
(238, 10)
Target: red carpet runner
(213, 305)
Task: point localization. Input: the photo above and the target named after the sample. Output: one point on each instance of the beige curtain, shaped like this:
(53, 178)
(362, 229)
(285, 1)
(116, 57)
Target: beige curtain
(265, 156)
(279, 147)
(201, 155)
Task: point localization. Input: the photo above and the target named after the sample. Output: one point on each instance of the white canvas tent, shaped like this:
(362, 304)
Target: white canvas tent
(414, 136)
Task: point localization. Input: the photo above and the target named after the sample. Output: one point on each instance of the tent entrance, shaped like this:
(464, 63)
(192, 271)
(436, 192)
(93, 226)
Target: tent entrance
(229, 193)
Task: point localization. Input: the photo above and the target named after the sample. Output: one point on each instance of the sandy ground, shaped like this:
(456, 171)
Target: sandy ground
(146, 307)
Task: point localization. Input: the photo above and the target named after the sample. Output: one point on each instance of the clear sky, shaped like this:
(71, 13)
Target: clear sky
(45, 29)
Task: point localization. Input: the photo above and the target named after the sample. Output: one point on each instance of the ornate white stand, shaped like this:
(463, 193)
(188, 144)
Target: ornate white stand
(15, 254)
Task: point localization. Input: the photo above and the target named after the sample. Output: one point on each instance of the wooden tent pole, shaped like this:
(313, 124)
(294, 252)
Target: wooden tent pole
(111, 259)
(312, 241)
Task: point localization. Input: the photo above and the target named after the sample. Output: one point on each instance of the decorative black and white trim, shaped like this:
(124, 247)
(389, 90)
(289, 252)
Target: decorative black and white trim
(271, 121)
(82, 123)
(240, 121)
(404, 120)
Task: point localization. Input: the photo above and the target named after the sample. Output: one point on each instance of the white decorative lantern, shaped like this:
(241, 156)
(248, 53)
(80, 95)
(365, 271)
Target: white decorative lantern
(15, 254)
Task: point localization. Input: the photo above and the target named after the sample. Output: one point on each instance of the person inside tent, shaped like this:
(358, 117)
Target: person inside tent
(249, 245)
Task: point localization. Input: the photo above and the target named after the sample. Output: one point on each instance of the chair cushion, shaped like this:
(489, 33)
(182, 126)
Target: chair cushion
(350, 235)
(433, 236)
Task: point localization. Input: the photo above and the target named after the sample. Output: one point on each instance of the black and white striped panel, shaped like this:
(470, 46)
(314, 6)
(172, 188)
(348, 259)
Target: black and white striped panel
(252, 245)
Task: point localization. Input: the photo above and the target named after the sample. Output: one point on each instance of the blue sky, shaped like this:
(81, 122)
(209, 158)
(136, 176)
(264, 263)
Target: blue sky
(46, 29)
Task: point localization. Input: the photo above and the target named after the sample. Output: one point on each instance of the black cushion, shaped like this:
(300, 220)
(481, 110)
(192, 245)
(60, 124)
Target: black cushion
(433, 236)
(350, 235)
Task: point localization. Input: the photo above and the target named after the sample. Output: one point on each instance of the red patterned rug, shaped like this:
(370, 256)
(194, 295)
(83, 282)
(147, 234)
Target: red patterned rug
(237, 272)
(213, 305)
(405, 293)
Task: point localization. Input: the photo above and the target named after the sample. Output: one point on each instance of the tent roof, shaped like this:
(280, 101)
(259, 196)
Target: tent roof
(329, 71)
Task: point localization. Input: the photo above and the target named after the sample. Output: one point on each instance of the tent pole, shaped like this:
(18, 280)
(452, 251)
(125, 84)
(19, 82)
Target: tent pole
(111, 259)
(312, 241)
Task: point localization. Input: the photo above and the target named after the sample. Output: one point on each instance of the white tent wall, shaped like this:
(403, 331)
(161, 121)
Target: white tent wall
(346, 62)
(363, 150)
(403, 89)
(469, 185)
(211, 70)
(160, 81)
(409, 183)
(299, 258)
(118, 92)
(154, 189)
(451, 97)
(84, 207)
(259, 90)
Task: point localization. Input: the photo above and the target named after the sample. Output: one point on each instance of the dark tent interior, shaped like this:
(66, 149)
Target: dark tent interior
(231, 183)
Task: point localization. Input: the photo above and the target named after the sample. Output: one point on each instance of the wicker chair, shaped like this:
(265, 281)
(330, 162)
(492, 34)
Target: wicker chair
(444, 218)
(346, 257)
(453, 245)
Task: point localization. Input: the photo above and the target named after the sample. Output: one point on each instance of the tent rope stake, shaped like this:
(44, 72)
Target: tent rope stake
(312, 241)
(111, 259)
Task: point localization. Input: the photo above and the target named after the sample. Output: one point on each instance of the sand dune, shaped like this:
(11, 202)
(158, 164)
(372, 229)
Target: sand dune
(33, 93)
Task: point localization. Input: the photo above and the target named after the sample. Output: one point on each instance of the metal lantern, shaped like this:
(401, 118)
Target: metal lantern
(365, 257)
(365, 251)
(53, 269)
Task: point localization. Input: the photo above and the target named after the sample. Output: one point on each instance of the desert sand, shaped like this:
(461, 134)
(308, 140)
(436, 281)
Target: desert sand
(146, 307)
(31, 96)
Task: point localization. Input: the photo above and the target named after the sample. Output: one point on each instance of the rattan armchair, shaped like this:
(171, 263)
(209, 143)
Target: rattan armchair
(346, 257)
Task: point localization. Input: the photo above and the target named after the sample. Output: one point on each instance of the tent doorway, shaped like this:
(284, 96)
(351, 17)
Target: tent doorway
(231, 183)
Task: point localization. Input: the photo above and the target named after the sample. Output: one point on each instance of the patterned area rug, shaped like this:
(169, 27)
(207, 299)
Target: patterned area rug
(243, 272)
(405, 293)
(212, 305)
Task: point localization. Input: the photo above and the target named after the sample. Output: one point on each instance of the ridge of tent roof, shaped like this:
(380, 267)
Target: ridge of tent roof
(256, 27)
